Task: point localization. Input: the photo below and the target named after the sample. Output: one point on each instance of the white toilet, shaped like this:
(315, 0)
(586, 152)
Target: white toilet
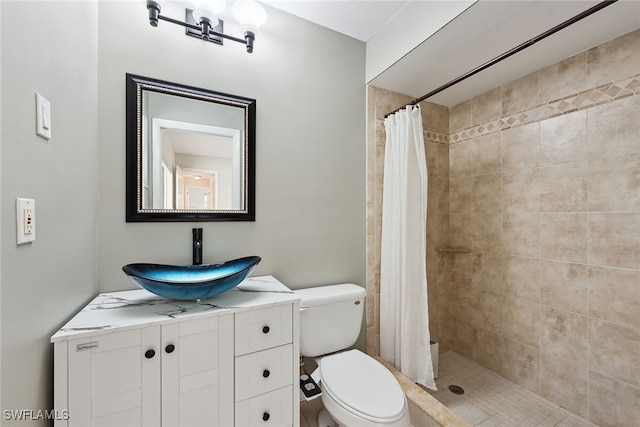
(358, 391)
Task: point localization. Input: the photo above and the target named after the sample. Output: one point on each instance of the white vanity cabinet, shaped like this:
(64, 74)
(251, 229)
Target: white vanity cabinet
(134, 359)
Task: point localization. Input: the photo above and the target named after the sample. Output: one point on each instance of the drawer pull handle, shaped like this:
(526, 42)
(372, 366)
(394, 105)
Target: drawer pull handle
(265, 329)
(170, 348)
(149, 354)
(266, 416)
(266, 373)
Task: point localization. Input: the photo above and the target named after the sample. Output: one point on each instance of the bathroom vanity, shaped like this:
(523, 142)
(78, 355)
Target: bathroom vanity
(133, 358)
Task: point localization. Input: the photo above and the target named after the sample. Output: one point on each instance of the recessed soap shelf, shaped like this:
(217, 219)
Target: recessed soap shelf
(454, 250)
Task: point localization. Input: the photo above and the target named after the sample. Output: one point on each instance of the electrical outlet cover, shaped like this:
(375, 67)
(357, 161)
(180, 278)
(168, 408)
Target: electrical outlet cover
(25, 209)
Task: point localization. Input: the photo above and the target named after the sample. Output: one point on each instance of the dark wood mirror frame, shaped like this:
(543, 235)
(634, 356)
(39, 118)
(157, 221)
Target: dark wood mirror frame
(135, 212)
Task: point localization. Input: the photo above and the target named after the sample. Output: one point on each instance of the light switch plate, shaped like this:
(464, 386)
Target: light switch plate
(43, 117)
(25, 220)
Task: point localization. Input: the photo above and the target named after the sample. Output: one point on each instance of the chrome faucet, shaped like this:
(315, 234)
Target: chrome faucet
(197, 246)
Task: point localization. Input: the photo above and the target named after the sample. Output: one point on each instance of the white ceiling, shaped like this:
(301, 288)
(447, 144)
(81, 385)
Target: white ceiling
(359, 19)
(482, 32)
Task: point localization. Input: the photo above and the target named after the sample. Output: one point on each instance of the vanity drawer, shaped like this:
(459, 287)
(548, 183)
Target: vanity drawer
(269, 409)
(263, 328)
(263, 371)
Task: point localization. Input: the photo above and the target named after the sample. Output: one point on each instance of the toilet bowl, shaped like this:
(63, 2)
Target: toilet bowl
(357, 390)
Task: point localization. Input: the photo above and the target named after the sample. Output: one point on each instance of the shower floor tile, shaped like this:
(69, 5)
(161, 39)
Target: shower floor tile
(491, 400)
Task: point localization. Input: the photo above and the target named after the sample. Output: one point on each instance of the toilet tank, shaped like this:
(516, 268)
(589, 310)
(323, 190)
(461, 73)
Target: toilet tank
(330, 318)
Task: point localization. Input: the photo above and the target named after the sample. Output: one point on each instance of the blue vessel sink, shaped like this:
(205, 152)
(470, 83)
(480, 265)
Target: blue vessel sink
(191, 282)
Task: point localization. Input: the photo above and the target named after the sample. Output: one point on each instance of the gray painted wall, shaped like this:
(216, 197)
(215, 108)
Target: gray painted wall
(310, 204)
(44, 282)
(310, 227)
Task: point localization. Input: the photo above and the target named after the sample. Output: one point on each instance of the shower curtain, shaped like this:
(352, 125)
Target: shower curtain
(404, 317)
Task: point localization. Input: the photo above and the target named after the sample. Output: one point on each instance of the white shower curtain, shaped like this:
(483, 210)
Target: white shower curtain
(404, 317)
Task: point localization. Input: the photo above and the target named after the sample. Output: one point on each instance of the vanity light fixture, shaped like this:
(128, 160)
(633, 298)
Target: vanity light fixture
(202, 21)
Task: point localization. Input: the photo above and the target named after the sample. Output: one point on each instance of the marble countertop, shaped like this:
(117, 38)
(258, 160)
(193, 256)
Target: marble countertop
(131, 309)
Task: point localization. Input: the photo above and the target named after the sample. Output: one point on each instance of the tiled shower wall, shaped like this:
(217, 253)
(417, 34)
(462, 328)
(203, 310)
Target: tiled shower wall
(544, 187)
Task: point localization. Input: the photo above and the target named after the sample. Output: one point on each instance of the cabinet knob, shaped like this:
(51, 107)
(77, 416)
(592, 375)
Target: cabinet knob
(266, 416)
(149, 354)
(170, 348)
(265, 329)
(266, 373)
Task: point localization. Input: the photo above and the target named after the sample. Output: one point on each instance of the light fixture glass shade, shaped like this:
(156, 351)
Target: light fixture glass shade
(249, 13)
(199, 14)
(214, 6)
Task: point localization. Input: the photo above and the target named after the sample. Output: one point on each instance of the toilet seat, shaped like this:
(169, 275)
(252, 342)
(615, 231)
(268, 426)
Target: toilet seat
(363, 386)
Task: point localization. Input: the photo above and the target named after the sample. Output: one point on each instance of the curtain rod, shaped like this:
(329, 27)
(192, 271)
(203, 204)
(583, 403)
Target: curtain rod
(510, 52)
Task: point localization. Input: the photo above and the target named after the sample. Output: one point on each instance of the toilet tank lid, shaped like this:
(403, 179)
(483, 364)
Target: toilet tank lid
(320, 295)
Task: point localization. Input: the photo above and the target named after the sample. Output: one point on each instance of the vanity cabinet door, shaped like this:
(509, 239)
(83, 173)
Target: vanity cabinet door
(197, 372)
(177, 374)
(112, 382)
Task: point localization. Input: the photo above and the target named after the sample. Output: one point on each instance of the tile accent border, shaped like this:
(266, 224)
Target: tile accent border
(430, 135)
(568, 104)
(579, 101)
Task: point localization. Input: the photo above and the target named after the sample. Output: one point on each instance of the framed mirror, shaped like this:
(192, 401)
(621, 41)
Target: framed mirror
(190, 153)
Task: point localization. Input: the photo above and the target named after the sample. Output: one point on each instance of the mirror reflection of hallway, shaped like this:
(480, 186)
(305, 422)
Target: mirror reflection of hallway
(197, 198)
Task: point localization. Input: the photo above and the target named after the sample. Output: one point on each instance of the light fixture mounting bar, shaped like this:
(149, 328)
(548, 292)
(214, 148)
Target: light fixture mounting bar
(195, 30)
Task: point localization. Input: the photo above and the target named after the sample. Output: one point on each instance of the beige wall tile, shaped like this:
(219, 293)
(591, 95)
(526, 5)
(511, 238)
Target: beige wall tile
(487, 154)
(437, 231)
(521, 321)
(612, 403)
(521, 364)
(563, 139)
(435, 116)
(487, 193)
(613, 60)
(521, 278)
(464, 338)
(521, 147)
(614, 351)
(486, 349)
(387, 101)
(486, 107)
(520, 94)
(563, 286)
(563, 78)
(564, 383)
(460, 116)
(487, 232)
(460, 230)
(563, 335)
(461, 268)
(437, 160)
(563, 236)
(614, 184)
(614, 128)
(613, 239)
(614, 295)
(463, 297)
(460, 160)
(460, 195)
(485, 310)
(521, 191)
(521, 234)
(438, 196)
(487, 272)
(563, 188)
